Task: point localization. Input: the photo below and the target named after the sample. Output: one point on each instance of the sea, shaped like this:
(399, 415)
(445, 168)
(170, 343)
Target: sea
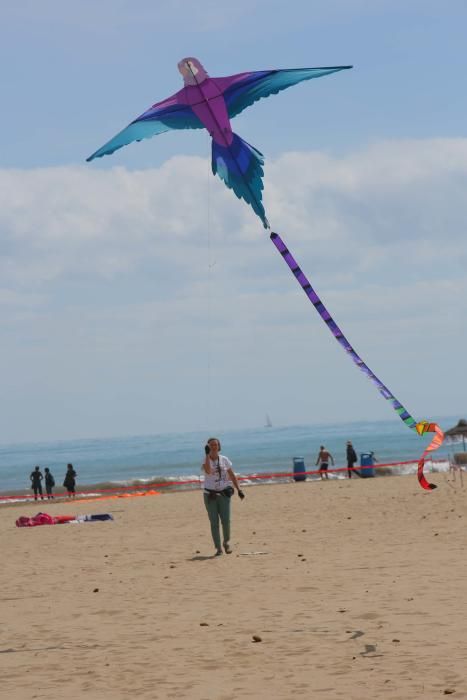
(140, 460)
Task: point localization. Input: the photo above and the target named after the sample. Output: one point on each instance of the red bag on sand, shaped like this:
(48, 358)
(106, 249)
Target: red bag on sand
(46, 519)
(39, 519)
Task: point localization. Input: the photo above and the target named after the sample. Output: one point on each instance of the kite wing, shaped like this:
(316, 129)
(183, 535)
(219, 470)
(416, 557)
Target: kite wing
(163, 116)
(242, 90)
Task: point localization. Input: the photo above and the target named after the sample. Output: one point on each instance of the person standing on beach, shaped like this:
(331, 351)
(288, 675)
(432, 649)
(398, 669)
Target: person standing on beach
(218, 490)
(49, 483)
(36, 479)
(351, 458)
(70, 480)
(324, 457)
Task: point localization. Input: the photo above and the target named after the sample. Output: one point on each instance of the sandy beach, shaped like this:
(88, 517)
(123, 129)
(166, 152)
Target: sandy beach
(358, 592)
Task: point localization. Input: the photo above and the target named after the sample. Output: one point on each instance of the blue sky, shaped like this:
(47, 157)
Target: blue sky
(73, 73)
(138, 295)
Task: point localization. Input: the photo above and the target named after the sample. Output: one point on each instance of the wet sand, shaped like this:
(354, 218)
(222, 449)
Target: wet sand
(359, 593)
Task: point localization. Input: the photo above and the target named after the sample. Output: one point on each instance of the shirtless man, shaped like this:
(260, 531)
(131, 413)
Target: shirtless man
(323, 460)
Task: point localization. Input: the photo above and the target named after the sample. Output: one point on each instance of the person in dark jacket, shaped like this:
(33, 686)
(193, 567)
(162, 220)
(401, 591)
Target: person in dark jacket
(36, 479)
(70, 480)
(351, 459)
(49, 483)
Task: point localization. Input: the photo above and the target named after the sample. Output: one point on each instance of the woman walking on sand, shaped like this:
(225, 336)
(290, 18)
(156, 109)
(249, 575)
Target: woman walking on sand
(70, 480)
(218, 490)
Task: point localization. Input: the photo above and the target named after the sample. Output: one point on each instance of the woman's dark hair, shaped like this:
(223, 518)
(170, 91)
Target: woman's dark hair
(217, 440)
(69, 466)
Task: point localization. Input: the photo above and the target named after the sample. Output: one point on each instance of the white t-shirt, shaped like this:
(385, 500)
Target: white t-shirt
(219, 479)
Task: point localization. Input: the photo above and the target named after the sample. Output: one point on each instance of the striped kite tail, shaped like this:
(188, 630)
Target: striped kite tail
(404, 415)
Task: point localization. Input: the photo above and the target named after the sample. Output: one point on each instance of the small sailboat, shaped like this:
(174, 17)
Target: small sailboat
(268, 421)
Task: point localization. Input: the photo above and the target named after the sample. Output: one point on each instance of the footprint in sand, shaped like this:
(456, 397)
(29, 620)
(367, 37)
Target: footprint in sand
(357, 634)
(370, 649)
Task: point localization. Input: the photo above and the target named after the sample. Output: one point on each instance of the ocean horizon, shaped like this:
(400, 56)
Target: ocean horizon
(169, 456)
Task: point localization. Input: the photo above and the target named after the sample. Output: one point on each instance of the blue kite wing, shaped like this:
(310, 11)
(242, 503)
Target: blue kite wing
(253, 86)
(161, 117)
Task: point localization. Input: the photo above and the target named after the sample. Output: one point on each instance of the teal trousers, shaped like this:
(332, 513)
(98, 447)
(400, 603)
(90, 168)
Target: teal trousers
(218, 509)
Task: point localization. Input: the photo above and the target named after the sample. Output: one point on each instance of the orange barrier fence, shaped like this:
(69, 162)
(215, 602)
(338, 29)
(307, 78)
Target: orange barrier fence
(149, 489)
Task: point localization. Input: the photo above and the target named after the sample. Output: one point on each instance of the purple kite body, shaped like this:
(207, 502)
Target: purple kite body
(211, 103)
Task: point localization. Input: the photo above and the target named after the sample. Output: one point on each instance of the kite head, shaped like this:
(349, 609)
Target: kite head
(192, 71)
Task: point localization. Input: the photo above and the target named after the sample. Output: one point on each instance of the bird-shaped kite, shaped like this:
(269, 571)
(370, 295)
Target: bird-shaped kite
(211, 103)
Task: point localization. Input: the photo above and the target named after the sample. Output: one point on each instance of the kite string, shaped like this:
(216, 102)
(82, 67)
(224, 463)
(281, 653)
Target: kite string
(208, 392)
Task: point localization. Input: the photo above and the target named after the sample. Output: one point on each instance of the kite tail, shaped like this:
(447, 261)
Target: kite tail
(421, 427)
(240, 166)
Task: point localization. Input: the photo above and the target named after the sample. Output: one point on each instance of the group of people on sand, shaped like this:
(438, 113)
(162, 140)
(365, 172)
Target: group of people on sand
(37, 477)
(220, 484)
(324, 457)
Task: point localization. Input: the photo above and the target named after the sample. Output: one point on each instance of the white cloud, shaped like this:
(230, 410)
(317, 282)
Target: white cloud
(158, 278)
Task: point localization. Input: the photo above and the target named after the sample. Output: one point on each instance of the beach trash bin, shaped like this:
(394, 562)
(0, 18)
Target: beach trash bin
(366, 462)
(299, 469)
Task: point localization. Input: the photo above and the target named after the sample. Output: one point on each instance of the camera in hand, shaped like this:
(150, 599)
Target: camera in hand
(207, 449)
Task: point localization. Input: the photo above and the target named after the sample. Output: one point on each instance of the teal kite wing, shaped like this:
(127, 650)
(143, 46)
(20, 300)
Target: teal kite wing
(242, 90)
(163, 116)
